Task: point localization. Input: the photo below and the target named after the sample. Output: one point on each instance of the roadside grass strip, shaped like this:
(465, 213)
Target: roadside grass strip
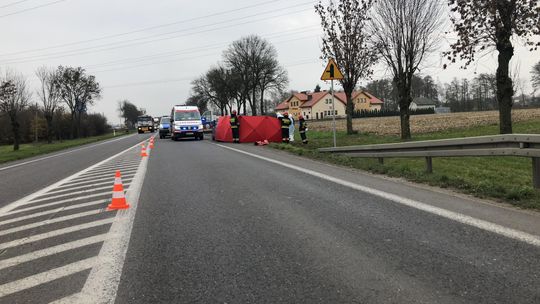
(54, 217)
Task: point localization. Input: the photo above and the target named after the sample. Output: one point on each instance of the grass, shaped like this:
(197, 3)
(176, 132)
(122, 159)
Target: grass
(29, 150)
(507, 179)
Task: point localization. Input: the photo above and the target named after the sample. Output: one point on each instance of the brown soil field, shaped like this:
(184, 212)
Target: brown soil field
(426, 123)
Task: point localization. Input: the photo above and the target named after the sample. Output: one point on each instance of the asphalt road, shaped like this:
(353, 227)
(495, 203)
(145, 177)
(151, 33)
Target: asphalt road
(217, 226)
(21, 178)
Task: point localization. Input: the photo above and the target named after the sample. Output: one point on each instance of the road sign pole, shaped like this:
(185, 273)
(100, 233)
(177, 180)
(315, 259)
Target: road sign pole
(333, 111)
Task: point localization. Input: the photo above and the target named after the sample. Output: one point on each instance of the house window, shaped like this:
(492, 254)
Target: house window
(336, 112)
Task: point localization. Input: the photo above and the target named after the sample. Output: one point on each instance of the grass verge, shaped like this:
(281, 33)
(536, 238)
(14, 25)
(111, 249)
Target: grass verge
(29, 150)
(507, 179)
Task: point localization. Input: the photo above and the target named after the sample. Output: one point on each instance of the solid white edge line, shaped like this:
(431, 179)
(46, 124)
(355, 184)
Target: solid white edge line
(458, 217)
(34, 255)
(102, 283)
(47, 276)
(27, 198)
(64, 153)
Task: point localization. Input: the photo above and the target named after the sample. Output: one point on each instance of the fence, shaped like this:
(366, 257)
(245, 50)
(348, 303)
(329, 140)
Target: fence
(524, 145)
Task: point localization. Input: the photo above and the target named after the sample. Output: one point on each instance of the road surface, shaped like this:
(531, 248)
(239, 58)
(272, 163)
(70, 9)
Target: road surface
(223, 223)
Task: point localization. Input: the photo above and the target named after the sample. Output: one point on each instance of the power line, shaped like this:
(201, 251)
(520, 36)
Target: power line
(82, 52)
(32, 8)
(196, 49)
(139, 30)
(14, 3)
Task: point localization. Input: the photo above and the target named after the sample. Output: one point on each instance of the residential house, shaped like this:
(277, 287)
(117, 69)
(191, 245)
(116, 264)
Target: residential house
(421, 103)
(318, 105)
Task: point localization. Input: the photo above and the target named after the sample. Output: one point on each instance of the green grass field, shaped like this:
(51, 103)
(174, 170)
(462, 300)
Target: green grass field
(506, 179)
(28, 150)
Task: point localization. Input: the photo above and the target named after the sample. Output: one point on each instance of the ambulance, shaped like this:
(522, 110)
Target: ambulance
(186, 122)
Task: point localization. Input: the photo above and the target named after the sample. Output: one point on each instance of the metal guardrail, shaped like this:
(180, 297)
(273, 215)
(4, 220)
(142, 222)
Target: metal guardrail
(523, 145)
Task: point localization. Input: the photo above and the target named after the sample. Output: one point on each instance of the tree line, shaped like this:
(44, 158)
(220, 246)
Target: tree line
(61, 110)
(401, 34)
(248, 73)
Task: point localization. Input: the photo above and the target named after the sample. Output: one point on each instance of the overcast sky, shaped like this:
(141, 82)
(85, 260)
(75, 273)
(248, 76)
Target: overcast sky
(149, 51)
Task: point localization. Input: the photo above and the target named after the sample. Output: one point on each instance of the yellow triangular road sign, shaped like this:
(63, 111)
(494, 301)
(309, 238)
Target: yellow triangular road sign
(331, 72)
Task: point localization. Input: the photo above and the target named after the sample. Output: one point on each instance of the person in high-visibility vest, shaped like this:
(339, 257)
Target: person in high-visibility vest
(235, 127)
(285, 124)
(302, 128)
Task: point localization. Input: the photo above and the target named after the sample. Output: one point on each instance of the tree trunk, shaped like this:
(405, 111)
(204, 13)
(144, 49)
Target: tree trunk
(253, 103)
(349, 111)
(16, 134)
(404, 100)
(262, 101)
(505, 91)
(49, 119)
(72, 135)
(79, 125)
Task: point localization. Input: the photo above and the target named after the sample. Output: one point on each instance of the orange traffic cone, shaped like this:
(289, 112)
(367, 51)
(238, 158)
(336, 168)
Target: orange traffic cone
(151, 146)
(118, 196)
(143, 151)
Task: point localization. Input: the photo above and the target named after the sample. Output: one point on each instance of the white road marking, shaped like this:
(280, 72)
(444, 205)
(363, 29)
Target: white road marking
(58, 202)
(51, 251)
(67, 300)
(46, 235)
(109, 180)
(47, 276)
(74, 193)
(114, 169)
(51, 221)
(38, 214)
(458, 217)
(110, 173)
(93, 178)
(26, 199)
(102, 283)
(64, 153)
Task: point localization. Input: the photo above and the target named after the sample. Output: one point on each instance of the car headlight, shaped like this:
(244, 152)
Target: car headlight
(160, 126)
(201, 127)
(177, 127)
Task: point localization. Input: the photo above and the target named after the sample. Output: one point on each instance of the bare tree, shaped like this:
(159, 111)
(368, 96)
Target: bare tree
(77, 90)
(404, 33)
(492, 24)
(274, 77)
(254, 61)
(346, 39)
(49, 95)
(14, 98)
(536, 75)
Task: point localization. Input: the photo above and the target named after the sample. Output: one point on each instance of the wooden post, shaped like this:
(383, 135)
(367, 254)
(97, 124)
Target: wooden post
(381, 160)
(429, 164)
(536, 172)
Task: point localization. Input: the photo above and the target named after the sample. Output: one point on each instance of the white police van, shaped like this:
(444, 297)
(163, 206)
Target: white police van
(186, 122)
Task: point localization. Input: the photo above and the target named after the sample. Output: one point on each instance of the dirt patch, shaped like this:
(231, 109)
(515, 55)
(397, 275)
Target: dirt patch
(426, 123)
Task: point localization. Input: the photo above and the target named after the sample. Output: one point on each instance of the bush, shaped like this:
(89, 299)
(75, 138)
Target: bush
(385, 112)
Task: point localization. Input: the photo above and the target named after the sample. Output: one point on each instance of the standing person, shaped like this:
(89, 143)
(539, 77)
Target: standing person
(302, 128)
(285, 124)
(291, 129)
(235, 127)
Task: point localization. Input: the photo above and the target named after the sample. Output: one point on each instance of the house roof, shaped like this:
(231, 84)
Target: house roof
(423, 101)
(310, 99)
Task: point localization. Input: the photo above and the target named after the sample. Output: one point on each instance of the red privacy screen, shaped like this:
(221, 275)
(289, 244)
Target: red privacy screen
(252, 129)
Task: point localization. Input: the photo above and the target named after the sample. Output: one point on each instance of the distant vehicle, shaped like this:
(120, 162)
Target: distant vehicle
(164, 127)
(156, 123)
(145, 123)
(186, 122)
(209, 120)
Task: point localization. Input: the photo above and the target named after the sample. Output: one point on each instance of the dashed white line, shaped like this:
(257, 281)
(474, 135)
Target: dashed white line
(454, 216)
(47, 276)
(51, 221)
(46, 235)
(51, 251)
(38, 214)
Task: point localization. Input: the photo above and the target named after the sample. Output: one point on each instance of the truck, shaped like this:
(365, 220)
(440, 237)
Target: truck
(186, 122)
(145, 123)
